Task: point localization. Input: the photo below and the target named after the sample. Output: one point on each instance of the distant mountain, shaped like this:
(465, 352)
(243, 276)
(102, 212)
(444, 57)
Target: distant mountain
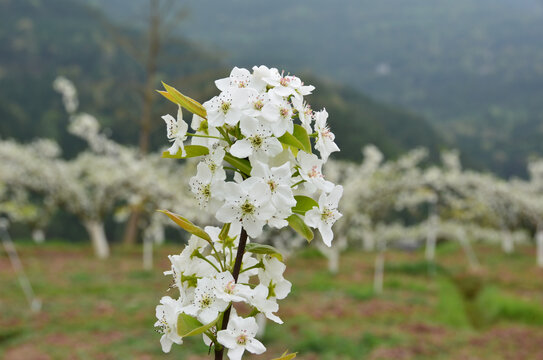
(41, 39)
(471, 67)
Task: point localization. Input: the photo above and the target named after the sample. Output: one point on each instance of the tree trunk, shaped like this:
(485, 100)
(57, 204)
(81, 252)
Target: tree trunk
(98, 238)
(431, 238)
(468, 250)
(539, 248)
(368, 241)
(507, 242)
(379, 269)
(38, 235)
(148, 97)
(147, 253)
(130, 235)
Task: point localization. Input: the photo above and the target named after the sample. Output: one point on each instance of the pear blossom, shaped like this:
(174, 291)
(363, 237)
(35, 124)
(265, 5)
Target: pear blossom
(279, 181)
(206, 305)
(247, 203)
(225, 108)
(228, 290)
(278, 114)
(204, 185)
(202, 128)
(310, 168)
(325, 138)
(271, 275)
(177, 132)
(324, 216)
(259, 140)
(259, 299)
(239, 78)
(167, 313)
(240, 336)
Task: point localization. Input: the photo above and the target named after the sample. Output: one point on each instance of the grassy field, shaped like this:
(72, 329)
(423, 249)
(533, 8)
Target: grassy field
(105, 309)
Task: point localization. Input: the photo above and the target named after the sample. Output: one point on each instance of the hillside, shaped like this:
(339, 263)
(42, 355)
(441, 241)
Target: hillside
(42, 39)
(471, 67)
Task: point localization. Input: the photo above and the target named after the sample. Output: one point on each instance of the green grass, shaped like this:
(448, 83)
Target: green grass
(105, 309)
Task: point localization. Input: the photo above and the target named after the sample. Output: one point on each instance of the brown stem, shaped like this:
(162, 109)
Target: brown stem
(235, 274)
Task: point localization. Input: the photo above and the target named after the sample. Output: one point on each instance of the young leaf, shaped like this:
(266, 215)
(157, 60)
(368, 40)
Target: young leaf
(286, 356)
(190, 104)
(189, 326)
(300, 134)
(289, 139)
(242, 165)
(187, 225)
(263, 249)
(303, 204)
(190, 150)
(298, 225)
(224, 231)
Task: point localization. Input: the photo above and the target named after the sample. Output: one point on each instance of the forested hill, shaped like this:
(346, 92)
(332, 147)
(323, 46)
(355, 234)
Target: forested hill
(42, 39)
(471, 67)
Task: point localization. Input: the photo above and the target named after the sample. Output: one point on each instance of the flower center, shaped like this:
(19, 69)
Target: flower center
(314, 172)
(205, 302)
(247, 208)
(206, 191)
(273, 185)
(325, 133)
(284, 81)
(283, 112)
(229, 289)
(225, 106)
(256, 141)
(259, 104)
(242, 339)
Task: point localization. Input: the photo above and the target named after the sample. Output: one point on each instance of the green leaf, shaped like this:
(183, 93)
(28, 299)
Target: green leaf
(298, 225)
(190, 150)
(263, 249)
(189, 326)
(300, 134)
(190, 104)
(303, 204)
(242, 165)
(286, 356)
(289, 139)
(224, 231)
(187, 225)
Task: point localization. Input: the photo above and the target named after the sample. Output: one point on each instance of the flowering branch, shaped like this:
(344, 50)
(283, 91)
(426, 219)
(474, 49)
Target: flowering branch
(256, 128)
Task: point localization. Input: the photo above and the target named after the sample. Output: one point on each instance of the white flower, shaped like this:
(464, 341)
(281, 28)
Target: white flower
(259, 299)
(225, 108)
(228, 290)
(305, 113)
(255, 103)
(177, 132)
(240, 336)
(239, 78)
(187, 265)
(167, 314)
(247, 203)
(207, 305)
(214, 162)
(200, 126)
(278, 113)
(310, 171)
(204, 186)
(324, 216)
(272, 277)
(325, 138)
(263, 72)
(258, 140)
(279, 182)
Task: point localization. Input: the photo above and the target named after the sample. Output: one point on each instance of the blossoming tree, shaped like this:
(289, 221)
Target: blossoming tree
(257, 169)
